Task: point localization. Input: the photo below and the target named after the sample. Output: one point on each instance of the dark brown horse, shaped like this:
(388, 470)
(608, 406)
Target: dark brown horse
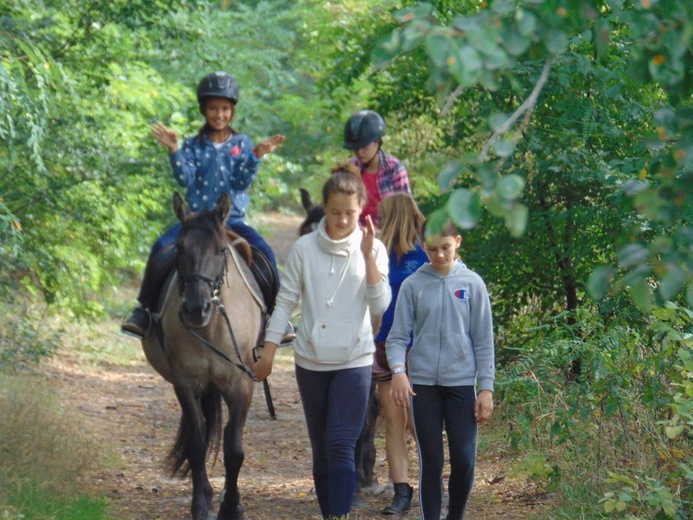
(210, 318)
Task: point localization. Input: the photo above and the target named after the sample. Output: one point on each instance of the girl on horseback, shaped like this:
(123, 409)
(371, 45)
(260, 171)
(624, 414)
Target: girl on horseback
(339, 273)
(216, 160)
(382, 174)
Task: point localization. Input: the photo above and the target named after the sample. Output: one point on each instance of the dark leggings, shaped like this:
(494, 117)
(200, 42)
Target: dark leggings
(334, 404)
(453, 406)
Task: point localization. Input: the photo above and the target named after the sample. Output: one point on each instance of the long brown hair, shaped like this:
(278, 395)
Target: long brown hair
(400, 223)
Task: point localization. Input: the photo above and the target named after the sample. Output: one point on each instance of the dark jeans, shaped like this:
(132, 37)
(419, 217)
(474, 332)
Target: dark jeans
(237, 226)
(334, 404)
(433, 407)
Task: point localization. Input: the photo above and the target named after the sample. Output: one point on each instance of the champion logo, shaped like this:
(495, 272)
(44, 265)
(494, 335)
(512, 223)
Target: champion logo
(461, 294)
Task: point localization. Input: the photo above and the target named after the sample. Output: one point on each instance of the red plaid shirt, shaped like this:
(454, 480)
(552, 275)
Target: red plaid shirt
(391, 178)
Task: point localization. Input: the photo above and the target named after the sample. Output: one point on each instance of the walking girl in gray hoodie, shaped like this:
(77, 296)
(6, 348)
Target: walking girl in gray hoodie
(447, 308)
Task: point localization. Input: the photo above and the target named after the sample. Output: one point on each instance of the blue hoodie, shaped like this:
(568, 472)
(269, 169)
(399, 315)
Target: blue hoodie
(453, 329)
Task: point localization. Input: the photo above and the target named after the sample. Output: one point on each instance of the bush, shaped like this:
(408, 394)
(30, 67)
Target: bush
(613, 424)
(27, 341)
(45, 457)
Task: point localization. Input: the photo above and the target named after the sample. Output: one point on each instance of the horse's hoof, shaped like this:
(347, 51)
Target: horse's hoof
(236, 512)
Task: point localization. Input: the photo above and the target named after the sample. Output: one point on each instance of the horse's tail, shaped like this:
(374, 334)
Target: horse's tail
(177, 459)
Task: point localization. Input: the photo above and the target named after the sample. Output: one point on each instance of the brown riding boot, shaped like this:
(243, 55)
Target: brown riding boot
(401, 502)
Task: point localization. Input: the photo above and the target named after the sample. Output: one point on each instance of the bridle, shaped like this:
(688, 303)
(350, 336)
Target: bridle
(215, 285)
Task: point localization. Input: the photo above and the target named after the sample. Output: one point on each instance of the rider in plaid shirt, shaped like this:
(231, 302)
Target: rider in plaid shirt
(382, 174)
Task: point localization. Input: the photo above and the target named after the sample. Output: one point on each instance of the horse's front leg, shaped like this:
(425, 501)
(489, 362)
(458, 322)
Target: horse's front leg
(191, 442)
(231, 507)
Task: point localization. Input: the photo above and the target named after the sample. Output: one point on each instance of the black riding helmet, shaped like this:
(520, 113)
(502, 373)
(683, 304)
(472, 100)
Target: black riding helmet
(362, 128)
(217, 84)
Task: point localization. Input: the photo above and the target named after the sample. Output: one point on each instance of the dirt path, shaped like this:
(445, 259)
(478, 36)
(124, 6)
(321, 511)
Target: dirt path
(133, 412)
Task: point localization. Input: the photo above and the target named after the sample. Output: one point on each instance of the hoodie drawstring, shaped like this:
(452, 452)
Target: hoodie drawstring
(341, 278)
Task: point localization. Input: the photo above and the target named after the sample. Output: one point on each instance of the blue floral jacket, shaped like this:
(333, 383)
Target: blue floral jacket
(207, 172)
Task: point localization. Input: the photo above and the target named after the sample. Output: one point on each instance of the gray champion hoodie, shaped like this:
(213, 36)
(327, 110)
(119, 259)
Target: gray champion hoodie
(450, 317)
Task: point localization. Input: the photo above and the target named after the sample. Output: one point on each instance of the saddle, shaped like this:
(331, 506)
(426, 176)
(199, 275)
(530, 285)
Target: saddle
(162, 265)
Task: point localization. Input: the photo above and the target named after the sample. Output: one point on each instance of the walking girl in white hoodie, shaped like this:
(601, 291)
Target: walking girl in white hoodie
(339, 273)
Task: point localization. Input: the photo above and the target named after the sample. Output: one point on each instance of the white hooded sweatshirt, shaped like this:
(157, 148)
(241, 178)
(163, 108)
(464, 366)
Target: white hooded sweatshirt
(329, 278)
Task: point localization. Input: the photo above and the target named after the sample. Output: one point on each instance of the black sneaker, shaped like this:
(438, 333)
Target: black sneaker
(137, 325)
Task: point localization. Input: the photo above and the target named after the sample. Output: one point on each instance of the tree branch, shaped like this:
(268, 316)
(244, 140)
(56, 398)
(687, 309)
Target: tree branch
(450, 101)
(527, 106)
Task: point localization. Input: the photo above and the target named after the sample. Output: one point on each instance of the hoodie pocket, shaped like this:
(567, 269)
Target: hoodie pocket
(436, 354)
(332, 341)
(453, 353)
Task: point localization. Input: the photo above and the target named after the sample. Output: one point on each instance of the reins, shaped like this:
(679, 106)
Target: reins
(216, 284)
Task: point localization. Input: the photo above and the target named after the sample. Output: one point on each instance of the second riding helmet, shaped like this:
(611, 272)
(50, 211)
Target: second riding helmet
(217, 84)
(362, 128)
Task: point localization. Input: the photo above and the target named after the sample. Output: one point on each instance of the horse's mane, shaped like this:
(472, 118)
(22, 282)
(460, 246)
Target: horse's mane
(209, 219)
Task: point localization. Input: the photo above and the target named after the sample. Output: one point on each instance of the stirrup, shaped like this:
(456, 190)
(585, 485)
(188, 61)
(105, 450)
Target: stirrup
(131, 313)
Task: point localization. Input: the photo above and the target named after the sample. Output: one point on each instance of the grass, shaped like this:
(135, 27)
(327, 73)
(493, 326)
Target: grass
(45, 456)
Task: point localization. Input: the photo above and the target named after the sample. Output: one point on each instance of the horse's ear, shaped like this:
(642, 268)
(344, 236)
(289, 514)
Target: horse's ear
(223, 207)
(180, 208)
(305, 200)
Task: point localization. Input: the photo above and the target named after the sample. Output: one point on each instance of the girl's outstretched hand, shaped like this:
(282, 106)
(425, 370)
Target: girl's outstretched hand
(368, 238)
(269, 145)
(165, 136)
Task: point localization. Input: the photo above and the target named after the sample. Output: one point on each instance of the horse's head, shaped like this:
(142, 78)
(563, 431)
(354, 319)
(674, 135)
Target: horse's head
(314, 214)
(201, 258)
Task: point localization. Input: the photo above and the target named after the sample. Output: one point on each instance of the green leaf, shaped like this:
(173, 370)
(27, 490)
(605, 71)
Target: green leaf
(465, 65)
(386, 48)
(556, 41)
(448, 175)
(503, 147)
(516, 220)
(689, 294)
(631, 254)
(674, 431)
(497, 120)
(600, 280)
(672, 282)
(413, 35)
(641, 292)
(496, 206)
(440, 47)
(421, 10)
(436, 221)
(514, 42)
(502, 6)
(526, 22)
(510, 187)
(464, 207)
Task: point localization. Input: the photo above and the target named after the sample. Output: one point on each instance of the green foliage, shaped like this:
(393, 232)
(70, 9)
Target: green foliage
(27, 341)
(616, 419)
(85, 191)
(490, 46)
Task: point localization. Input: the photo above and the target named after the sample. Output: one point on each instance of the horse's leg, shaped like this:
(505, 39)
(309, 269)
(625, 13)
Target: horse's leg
(370, 423)
(364, 454)
(195, 450)
(231, 507)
